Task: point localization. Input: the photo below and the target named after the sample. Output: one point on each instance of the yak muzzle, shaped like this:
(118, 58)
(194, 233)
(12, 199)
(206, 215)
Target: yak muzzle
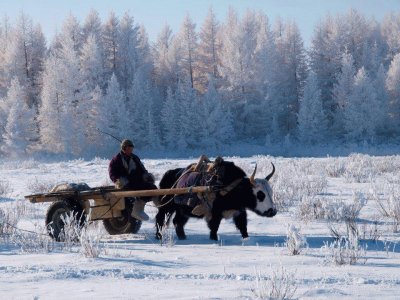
(270, 213)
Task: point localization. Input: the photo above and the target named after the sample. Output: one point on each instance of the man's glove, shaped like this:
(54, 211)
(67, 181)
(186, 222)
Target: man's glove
(148, 177)
(121, 182)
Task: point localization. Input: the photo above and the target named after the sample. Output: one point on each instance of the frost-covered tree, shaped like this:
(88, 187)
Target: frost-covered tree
(239, 72)
(4, 41)
(72, 30)
(20, 127)
(217, 122)
(92, 26)
(390, 28)
(311, 119)
(209, 50)
(160, 53)
(142, 113)
(169, 120)
(23, 57)
(288, 78)
(187, 38)
(393, 88)
(110, 37)
(384, 126)
(64, 94)
(127, 56)
(341, 93)
(91, 66)
(190, 122)
(361, 110)
(52, 111)
(112, 114)
(325, 61)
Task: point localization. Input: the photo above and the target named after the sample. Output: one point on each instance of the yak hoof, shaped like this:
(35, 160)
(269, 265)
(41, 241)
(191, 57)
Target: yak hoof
(181, 237)
(213, 236)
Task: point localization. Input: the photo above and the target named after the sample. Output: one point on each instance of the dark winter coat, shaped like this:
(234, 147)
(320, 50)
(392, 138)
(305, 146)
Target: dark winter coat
(117, 170)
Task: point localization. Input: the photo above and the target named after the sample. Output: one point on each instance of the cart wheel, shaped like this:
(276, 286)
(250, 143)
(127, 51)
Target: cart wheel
(123, 224)
(55, 215)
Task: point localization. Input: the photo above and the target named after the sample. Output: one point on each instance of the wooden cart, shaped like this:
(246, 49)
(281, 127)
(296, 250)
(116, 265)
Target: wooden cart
(108, 204)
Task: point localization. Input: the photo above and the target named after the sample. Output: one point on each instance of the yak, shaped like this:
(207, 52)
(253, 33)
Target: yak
(234, 193)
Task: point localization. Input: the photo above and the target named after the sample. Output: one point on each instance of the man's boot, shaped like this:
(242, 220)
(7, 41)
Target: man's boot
(138, 210)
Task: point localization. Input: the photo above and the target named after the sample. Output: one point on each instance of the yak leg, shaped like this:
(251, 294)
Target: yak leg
(241, 223)
(213, 224)
(179, 222)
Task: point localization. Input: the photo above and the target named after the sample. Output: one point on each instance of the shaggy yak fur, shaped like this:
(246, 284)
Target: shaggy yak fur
(255, 195)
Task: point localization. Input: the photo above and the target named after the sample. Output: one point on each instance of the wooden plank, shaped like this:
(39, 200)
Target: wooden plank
(161, 192)
(99, 194)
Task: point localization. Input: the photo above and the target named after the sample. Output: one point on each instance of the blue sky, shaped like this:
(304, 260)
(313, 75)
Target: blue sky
(155, 13)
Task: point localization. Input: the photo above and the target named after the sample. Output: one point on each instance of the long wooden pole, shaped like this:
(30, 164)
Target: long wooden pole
(161, 192)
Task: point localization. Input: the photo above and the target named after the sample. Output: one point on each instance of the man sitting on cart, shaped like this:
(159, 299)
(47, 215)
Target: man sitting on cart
(128, 173)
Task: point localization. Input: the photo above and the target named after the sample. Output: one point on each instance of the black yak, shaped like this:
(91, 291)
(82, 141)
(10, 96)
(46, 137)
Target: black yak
(234, 194)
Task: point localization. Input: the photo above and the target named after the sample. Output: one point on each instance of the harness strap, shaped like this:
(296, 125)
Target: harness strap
(224, 191)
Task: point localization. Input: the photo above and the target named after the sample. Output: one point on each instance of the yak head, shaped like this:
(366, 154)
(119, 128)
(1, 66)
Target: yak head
(264, 195)
(248, 188)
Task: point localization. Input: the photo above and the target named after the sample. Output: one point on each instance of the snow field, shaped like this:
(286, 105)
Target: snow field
(336, 191)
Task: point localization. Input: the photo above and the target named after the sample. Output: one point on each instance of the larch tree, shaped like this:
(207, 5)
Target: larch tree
(20, 129)
(217, 121)
(209, 51)
(325, 61)
(92, 26)
(384, 127)
(24, 57)
(170, 120)
(113, 115)
(390, 28)
(341, 93)
(51, 110)
(109, 40)
(91, 65)
(127, 56)
(393, 88)
(312, 126)
(160, 57)
(361, 111)
(187, 37)
(288, 77)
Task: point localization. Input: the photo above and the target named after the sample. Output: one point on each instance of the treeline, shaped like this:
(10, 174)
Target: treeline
(202, 87)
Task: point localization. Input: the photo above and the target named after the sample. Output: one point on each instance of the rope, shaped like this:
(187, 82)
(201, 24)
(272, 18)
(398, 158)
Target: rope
(24, 230)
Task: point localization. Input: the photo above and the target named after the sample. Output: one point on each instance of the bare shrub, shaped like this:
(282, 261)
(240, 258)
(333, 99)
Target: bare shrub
(289, 190)
(71, 232)
(359, 168)
(311, 208)
(280, 285)
(390, 208)
(344, 251)
(36, 241)
(90, 241)
(331, 209)
(5, 189)
(9, 218)
(336, 168)
(167, 234)
(295, 241)
(371, 231)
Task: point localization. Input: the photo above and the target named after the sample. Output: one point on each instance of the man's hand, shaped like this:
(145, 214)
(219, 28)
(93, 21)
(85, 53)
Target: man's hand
(121, 182)
(148, 177)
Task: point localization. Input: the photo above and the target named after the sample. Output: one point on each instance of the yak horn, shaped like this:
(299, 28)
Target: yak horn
(253, 175)
(272, 173)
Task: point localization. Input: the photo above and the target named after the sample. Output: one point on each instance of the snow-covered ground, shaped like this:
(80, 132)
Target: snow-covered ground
(313, 194)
